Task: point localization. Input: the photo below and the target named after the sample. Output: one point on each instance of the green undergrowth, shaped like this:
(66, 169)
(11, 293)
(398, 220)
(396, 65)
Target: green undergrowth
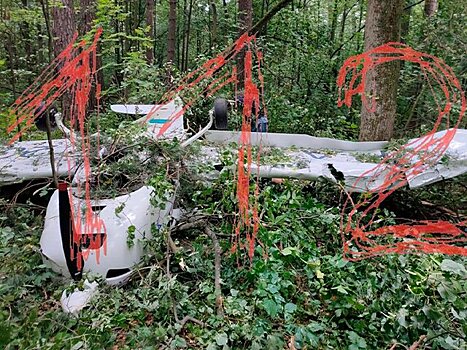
(296, 293)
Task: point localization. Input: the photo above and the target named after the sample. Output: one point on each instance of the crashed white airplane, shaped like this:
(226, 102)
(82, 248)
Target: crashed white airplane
(306, 157)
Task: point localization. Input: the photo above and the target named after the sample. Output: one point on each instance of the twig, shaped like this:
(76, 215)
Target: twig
(217, 270)
(440, 208)
(191, 319)
(51, 150)
(189, 225)
(412, 5)
(420, 341)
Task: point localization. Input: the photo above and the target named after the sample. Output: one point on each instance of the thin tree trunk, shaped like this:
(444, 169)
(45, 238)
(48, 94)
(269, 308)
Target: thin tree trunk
(28, 45)
(270, 14)
(187, 35)
(10, 48)
(179, 28)
(87, 16)
(382, 26)
(405, 23)
(245, 22)
(213, 10)
(333, 17)
(172, 30)
(64, 26)
(150, 24)
(45, 12)
(63, 29)
(118, 52)
(345, 13)
(360, 19)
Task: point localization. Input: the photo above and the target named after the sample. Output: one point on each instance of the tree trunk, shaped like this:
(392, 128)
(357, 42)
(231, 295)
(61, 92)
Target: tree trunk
(12, 64)
(213, 10)
(245, 21)
(150, 24)
(431, 6)
(172, 32)
(45, 12)
(405, 23)
(63, 29)
(332, 17)
(382, 26)
(187, 34)
(86, 17)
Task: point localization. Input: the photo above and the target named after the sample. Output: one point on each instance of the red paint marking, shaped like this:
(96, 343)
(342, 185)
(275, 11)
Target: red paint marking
(359, 239)
(72, 72)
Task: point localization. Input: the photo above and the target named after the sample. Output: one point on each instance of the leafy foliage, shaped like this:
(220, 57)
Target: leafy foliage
(297, 290)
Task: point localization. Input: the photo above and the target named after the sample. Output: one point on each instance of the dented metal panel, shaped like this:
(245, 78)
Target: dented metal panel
(31, 160)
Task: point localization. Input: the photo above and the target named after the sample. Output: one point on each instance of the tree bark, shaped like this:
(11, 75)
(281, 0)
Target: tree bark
(213, 10)
(382, 26)
(245, 22)
(63, 29)
(267, 17)
(86, 17)
(431, 6)
(187, 35)
(172, 32)
(150, 24)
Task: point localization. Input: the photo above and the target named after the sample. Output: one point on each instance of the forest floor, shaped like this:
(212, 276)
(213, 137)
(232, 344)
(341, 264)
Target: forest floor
(296, 293)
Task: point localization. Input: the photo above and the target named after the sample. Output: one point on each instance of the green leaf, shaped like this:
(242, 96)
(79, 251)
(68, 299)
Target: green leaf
(221, 339)
(401, 317)
(454, 267)
(178, 342)
(289, 251)
(341, 289)
(271, 307)
(290, 307)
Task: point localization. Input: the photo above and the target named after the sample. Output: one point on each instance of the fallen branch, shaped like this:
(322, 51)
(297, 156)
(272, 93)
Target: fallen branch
(267, 17)
(440, 208)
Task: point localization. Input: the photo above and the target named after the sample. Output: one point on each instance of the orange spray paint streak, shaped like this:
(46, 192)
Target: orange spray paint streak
(360, 240)
(72, 72)
(248, 213)
(194, 80)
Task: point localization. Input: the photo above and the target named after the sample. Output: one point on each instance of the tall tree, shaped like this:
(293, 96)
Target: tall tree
(213, 11)
(186, 37)
(150, 24)
(64, 25)
(63, 29)
(87, 15)
(245, 22)
(382, 26)
(172, 33)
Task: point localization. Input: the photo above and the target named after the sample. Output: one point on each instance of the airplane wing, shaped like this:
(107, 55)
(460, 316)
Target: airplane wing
(30, 160)
(354, 163)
